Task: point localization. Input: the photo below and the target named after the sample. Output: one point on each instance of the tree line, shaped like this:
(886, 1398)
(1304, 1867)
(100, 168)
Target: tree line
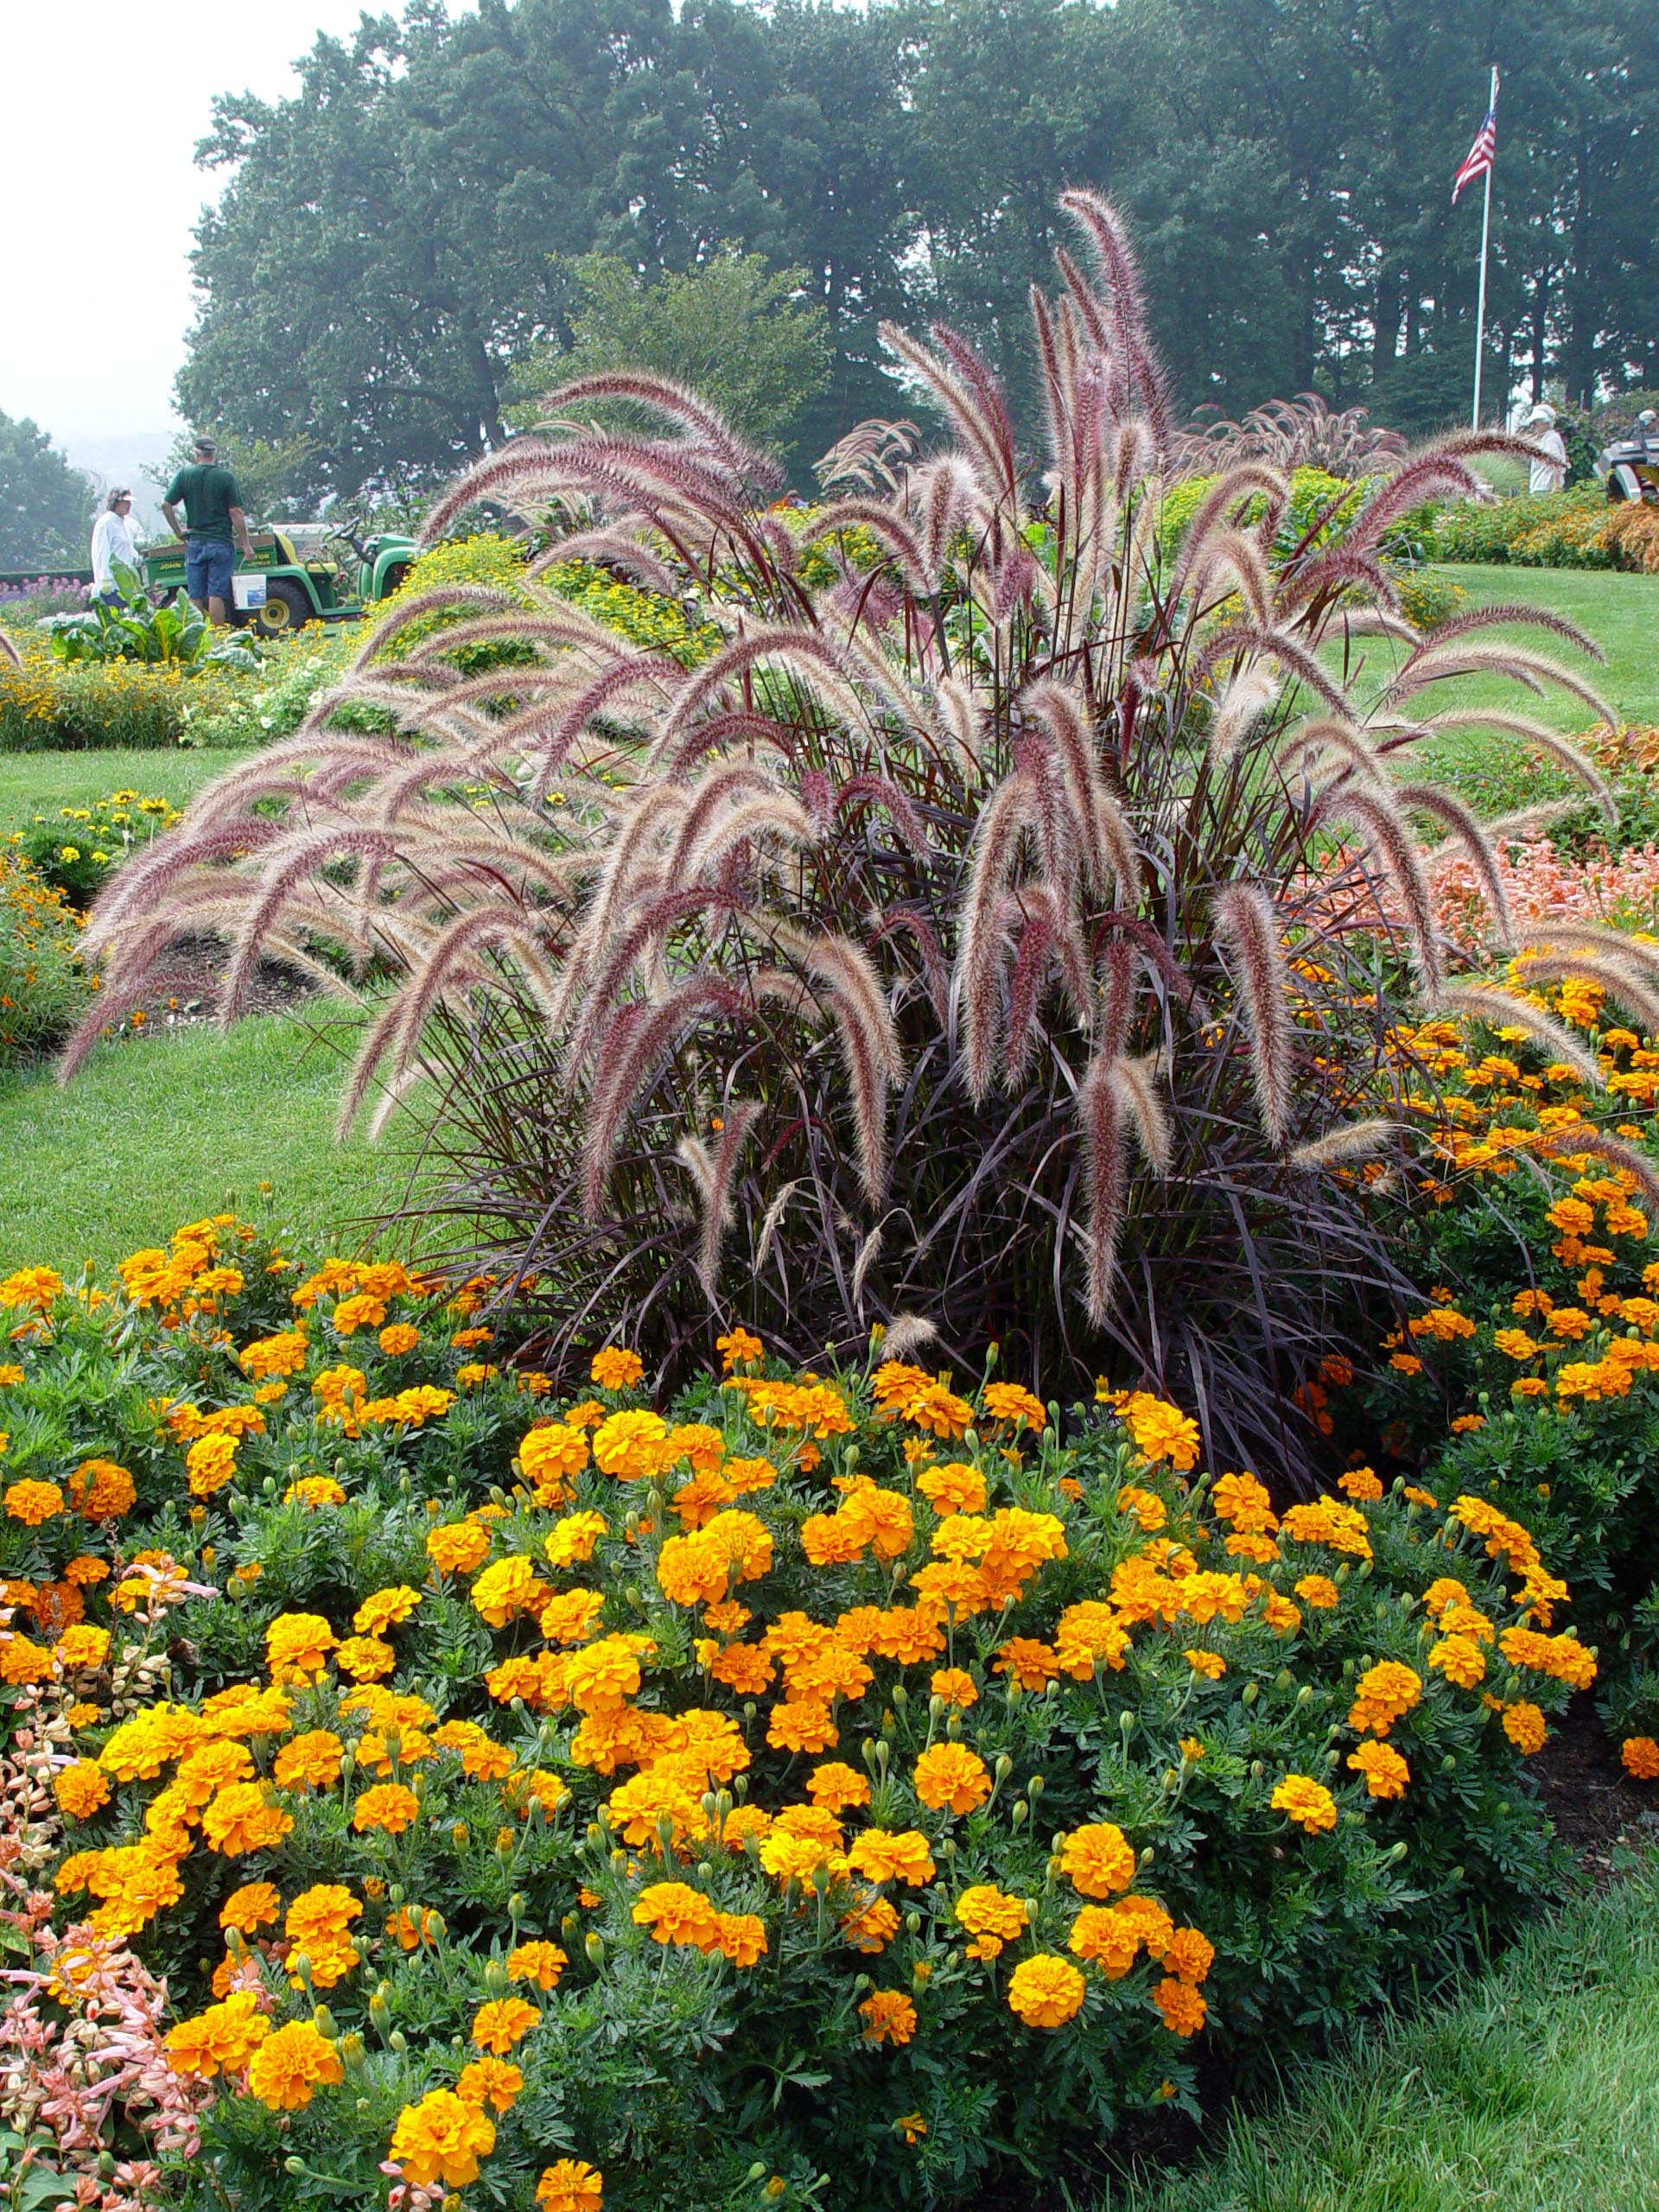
(423, 225)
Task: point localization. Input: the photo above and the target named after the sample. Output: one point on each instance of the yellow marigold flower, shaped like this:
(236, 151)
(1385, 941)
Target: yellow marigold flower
(1383, 1695)
(1183, 2009)
(32, 1502)
(79, 1647)
(741, 1937)
(490, 2081)
(297, 1646)
(538, 1961)
(1640, 1758)
(1150, 1511)
(1306, 1802)
(884, 1855)
(1096, 1860)
(616, 1369)
(314, 1491)
(211, 1463)
(366, 1658)
(506, 1588)
(221, 2040)
(1045, 1991)
(1318, 1592)
(1210, 1664)
(550, 1457)
(1161, 1431)
(311, 1761)
(573, 1540)
(388, 1805)
(835, 1786)
(255, 1905)
(630, 1445)
(1460, 1659)
(291, 2064)
(992, 1917)
(572, 2185)
(1362, 1484)
(80, 1789)
(502, 2022)
(738, 1349)
(1243, 1502)
(441, 2139)
(242, 1818)
(1340, 1528)
(1524, 1726)
(386, 1609)
(458, 1547)
(1569, 1321)
(101, 1490)
(1011, 1402)
(1386, 1773)
(888, 2017)
(955, 1687)
(283, 1354)
(953, 1488)
(951, 1776)
(1530, 1386)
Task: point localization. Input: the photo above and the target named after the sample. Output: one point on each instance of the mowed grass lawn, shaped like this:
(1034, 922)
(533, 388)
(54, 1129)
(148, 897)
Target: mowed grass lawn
(36, 783)
(158, 1131)
(1537, 2091)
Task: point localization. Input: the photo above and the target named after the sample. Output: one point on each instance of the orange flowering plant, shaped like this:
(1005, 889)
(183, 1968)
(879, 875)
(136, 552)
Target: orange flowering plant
(723, 1781)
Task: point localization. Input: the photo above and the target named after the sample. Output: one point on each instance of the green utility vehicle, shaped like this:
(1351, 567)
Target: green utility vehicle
(300, 574)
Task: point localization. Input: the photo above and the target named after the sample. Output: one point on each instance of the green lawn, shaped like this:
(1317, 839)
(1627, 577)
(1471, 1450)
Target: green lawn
(156, 1132)
(31, 782)
(1537, 2091)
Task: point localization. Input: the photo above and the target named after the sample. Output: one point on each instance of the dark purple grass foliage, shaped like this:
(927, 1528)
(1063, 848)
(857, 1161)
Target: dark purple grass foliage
(948, 951)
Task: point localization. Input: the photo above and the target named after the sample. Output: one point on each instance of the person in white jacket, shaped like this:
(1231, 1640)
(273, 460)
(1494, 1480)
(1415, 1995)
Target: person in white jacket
(1548, 471)
(112, 542)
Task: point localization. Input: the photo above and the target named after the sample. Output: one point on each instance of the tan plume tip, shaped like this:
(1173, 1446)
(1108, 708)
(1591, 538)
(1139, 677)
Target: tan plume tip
(1353, 1141)
(1248, 927)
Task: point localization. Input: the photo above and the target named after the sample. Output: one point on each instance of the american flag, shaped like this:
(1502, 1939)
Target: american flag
(1478, 159)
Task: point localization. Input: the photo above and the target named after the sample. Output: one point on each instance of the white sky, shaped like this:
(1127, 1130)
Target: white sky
(101, 105)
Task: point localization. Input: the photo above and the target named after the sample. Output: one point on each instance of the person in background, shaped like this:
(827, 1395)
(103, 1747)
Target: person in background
(112, 542)
(214, 520)
(1548, 471)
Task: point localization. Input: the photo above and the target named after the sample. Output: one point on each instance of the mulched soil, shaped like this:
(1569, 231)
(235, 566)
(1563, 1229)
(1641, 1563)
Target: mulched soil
(187, 995)
(1597, 1809)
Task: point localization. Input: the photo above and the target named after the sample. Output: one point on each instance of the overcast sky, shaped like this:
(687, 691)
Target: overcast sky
(101, 105)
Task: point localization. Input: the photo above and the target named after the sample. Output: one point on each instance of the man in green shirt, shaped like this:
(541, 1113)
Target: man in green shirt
(213, 515)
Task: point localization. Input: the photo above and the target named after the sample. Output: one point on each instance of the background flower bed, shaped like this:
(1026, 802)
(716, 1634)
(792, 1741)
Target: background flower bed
(1574, 528)
(610, 1652)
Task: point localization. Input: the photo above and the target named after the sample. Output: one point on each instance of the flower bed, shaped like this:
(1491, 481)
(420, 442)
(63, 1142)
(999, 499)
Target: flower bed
(836, 1784)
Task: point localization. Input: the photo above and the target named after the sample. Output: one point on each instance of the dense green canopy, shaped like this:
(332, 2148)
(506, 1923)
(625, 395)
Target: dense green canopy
(396, 239)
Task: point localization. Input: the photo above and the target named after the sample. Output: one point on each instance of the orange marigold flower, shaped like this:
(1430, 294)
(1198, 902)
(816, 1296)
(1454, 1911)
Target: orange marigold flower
(387, 1805)
(502, 2022)
(1524, 1726)
(888, 2017)
(883, 1855)
(291, 2064)
(1183, 2011)
(458, 1547)
(538, 1961)
(441, 2139)
(32, 1502)
(80, 1789)
(951, 1776)
(242, 1818)
(1386, 1773)
(1307, 1802)
(99, 1490)
(1097, 1859)
(835, 1786)
(221, 2040)
(571, 2186)
(1639, 1755)
(1045, 1991)
(955, 1685)
(490, 2081)
(615, 1369)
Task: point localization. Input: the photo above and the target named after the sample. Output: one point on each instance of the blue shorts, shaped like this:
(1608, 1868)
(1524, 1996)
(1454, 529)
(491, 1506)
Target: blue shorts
(208, 565)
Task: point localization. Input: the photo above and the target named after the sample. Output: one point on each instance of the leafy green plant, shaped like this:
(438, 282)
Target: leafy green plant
(75, 848)
(944, 950)
(135, 628)
(44, 990)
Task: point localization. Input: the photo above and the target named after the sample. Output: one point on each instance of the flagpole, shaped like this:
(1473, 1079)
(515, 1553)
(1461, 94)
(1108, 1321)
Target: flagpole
(1485, 234)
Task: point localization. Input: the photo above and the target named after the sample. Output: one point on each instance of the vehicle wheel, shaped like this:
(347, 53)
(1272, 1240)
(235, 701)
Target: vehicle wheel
(286, 606)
